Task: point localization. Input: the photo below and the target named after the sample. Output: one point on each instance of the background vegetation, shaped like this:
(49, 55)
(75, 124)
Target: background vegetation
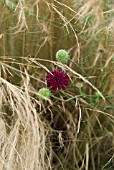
(73, 130)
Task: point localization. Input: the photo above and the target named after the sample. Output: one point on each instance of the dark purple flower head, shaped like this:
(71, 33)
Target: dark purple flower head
(57, 80)
(101, 51)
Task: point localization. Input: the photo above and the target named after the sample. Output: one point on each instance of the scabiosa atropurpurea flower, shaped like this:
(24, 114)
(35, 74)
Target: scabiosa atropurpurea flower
(101, 50)
(57, 80)
(62, 56)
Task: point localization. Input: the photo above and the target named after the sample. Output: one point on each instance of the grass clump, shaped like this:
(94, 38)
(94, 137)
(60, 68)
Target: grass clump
(56, 111)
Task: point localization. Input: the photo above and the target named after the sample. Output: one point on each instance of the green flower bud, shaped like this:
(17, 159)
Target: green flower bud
(98, 94)
(62, 56)
(79, 84)
(44, 94)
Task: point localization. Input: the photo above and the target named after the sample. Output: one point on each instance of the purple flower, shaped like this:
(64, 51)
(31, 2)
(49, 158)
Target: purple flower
(101, 51)
(57, 80)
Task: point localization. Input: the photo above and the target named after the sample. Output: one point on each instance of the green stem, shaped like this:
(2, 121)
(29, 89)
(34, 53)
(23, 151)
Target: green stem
(67, 99)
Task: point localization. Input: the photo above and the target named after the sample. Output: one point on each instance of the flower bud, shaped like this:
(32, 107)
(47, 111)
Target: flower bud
(79, 84)
(62, 56)
(44, 94)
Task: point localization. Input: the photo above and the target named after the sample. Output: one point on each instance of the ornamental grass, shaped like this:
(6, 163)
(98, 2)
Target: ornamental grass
(57, 85)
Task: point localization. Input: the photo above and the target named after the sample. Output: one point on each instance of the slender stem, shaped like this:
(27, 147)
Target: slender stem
(67, 99)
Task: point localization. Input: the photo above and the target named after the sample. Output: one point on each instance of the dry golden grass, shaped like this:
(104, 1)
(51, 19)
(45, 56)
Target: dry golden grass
(68, 131)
